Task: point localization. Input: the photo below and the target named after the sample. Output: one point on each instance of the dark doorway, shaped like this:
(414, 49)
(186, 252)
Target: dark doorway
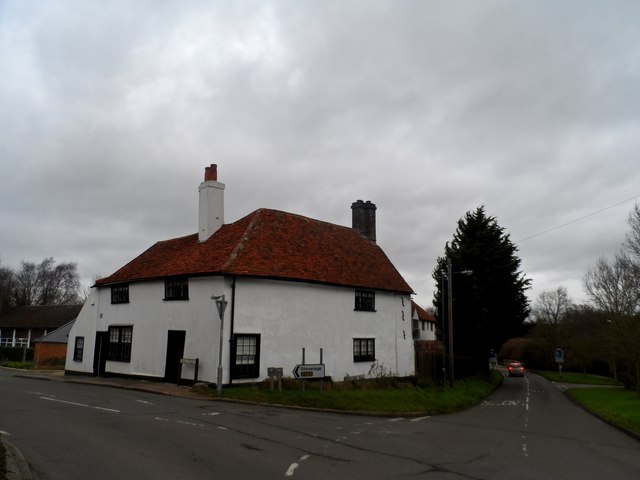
(175, 351)
(100, 353)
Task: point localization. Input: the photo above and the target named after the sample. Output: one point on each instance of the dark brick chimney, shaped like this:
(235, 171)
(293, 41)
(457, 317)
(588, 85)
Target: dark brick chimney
(364, 218)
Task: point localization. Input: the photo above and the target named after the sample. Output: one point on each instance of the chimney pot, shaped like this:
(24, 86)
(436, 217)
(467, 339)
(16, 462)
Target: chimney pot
(211, 173)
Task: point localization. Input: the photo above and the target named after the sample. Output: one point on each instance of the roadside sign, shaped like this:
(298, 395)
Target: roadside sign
(274, 372)
(493, 358)
(309, 371)
(559, 355)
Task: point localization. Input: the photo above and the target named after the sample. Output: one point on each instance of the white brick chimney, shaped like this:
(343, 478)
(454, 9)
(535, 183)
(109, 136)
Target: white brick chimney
(211, 215)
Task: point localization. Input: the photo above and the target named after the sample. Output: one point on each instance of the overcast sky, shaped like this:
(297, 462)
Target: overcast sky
(109, 112)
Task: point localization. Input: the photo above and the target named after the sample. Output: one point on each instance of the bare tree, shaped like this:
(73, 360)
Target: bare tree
(632, 241)
(46, 283)
(551, 306)
(6, 288)
(614, 287)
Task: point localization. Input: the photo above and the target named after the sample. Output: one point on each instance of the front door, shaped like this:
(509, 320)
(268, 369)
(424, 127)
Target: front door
(175, 351)
(100, 353)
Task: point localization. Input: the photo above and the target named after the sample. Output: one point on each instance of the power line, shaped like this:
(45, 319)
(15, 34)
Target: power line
(578, 219)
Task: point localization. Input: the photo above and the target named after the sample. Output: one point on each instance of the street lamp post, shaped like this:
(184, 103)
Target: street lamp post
(450, 318)
(450, 313)
(443, 275)
(221, 305)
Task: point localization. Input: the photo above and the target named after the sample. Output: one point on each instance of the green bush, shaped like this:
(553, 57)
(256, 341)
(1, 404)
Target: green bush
(14, 354)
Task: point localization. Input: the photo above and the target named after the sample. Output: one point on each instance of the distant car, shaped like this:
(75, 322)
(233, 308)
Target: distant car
(515, 369)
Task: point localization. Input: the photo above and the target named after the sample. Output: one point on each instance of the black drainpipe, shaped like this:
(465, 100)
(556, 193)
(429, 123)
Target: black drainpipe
(233, 310)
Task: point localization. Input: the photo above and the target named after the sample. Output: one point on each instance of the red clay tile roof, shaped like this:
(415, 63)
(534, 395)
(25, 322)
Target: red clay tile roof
(271, 244)
(422, 313)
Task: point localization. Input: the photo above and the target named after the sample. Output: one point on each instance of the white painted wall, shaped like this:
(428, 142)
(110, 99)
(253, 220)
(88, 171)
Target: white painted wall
(287, 315)
(426, 330)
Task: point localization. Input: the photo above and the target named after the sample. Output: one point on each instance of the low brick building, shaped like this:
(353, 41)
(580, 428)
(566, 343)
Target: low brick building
(22, 325)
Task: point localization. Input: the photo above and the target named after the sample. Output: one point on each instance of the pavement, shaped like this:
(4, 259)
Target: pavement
(140, 385)
(17, 466)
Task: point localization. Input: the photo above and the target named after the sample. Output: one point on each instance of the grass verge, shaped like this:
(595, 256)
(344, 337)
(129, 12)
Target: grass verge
(19, 365)
(579, 378)
(615, 405)
(398, 398)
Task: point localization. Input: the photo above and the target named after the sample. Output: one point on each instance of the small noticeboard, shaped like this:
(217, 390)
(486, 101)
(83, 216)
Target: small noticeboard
(493, 358)
(309, 371)
(559, 355)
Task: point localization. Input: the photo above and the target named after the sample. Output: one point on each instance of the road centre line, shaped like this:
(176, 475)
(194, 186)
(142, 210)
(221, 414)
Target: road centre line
(75, 404)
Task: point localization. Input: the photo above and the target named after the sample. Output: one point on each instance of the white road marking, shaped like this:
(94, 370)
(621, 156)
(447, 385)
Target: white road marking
(212, 414)
(292, 468)
(106, 409)
(191, 424)
(75, 404)
(144, 402)
(526, 418)
(420, 418)
(223, 428)
(396, 419)
(161, 419)
(503, 403)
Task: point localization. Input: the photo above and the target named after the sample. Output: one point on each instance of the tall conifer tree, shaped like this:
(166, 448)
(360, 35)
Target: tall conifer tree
(489, 305)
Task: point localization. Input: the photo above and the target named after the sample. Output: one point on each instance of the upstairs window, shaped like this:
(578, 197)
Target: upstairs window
(365, 300)
(120, 293)
(176, 289)
(364, 349)
(120, 344)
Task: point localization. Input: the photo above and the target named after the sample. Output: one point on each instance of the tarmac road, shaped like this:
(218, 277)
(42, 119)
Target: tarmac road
(526, 430)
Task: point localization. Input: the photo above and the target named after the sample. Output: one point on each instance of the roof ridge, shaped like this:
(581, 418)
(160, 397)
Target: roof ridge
(243, 238)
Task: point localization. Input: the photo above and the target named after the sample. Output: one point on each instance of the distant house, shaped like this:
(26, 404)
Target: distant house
(423, 323)
(289, 283)
(22, 325)
(428, 351)
(52, 348)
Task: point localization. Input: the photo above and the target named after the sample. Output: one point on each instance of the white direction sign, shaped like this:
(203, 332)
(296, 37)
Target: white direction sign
(309, 371)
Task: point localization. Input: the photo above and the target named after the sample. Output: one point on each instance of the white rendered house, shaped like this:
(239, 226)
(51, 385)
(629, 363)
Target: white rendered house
(289, 282)
(424, 324)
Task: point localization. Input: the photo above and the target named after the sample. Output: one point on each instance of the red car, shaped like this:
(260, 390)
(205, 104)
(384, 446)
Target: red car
(516, 369)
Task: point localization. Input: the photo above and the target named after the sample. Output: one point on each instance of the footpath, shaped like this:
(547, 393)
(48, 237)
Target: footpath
(17, 467)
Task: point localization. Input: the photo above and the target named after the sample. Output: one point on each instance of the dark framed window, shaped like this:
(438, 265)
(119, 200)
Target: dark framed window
(78, 349)
(366, 300)
(364, 349)
(176, 288)
(120, 293)
(120, 344)
(246, 356)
